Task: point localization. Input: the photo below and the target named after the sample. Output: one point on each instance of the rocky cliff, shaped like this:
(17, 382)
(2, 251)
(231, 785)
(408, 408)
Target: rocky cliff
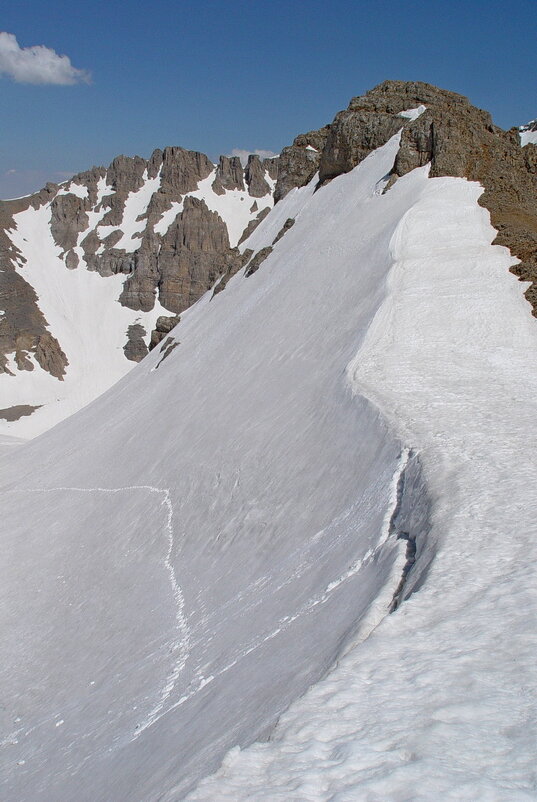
(169, 225)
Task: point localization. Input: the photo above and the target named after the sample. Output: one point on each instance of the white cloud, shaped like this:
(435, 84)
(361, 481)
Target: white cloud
(243, 154)
(37, 65)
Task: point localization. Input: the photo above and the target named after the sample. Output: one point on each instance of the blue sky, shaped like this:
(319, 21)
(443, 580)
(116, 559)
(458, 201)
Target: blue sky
(215, 75)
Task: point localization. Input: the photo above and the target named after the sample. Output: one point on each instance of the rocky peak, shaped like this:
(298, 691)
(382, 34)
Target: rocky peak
(298, 163)
(255, 177)
(229, 174)
(437, 127)
(182, 170)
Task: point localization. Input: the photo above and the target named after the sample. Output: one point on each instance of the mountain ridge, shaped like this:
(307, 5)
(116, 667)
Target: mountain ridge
(175, 225)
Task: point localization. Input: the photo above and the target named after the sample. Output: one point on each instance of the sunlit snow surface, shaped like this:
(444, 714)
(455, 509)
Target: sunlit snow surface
(413, 114)
(528, 137)
(440, 702)
(192, 551)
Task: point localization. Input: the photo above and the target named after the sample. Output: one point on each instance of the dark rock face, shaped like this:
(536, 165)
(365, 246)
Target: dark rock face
(135, 348)
(298, 163)
(194, 252)
(166, 348)
(255, 263)
(17, 412)
(50, 356)
(252, 225)
(23, 328)
(163, 327)
(289, 223)
(255, 177)
(229, 174)
(68, 219)
(272, 165)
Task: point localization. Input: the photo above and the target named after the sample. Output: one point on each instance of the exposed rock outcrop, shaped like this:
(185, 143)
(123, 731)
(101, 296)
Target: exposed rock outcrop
(457, 139)
(252, 225)
(104, 220)
(194, 252)
(50, 356)
(163, 327)
(289, 223)
(298, 163)
(135, 348)
(255, 177)
(257, 260)
(229, 174)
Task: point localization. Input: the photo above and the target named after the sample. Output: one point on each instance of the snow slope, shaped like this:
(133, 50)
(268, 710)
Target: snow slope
(204, 538)
(440, 702)
(187, 555)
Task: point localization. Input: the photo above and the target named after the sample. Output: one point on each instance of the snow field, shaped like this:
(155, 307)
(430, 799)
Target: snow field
(374, 323)
(440, 701)
(280, 483)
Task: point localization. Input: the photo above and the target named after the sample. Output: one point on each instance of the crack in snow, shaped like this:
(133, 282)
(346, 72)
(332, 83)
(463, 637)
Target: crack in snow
(379, 609)
(182, 643)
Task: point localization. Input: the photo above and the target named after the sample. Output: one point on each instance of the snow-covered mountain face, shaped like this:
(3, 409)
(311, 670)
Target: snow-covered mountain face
(97, 271)
(100, 268)
(344, 432)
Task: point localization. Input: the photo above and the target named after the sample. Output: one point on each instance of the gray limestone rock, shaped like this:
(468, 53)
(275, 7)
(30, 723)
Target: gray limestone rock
(68, 219)
(17, 412)
(255, 177)
(229, 175)
(255, 263)
(240, 261)
(289, 223)
(194, 253)
(271, 166)
(162, 328)
(166, 348)
(298, 163)
(252, 225)
(135, 348)
(71, 260)
(50, 356)
(23, 328)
